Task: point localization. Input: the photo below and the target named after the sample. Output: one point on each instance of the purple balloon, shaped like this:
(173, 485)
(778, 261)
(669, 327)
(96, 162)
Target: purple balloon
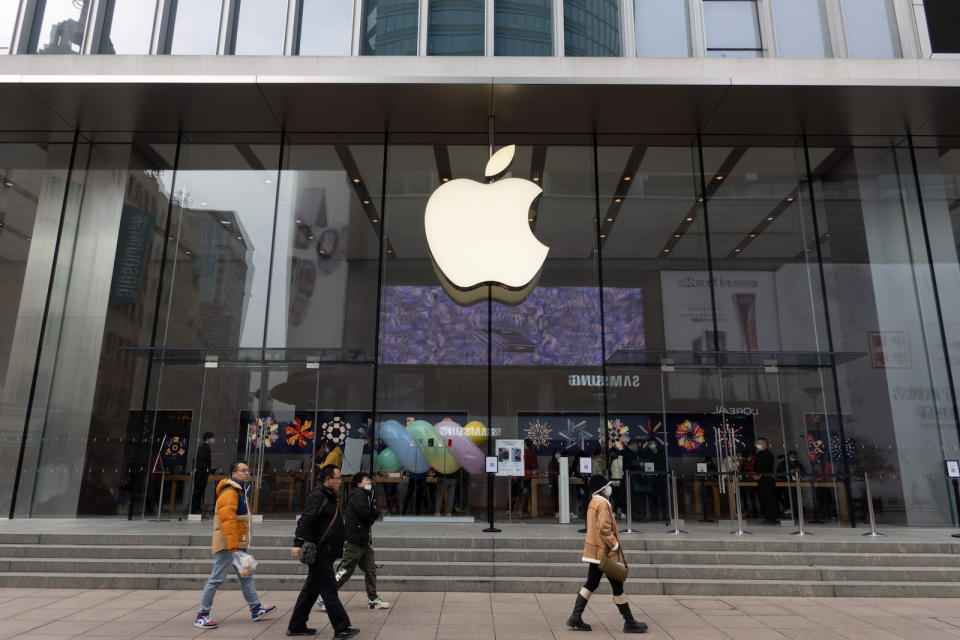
(464, 451)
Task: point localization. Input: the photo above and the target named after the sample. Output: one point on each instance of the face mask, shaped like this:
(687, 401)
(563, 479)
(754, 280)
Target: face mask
(759, 447)
(607, 490)
(653, 447)
(557, 456)
(368, 487)
(793, 459)
(212, 440)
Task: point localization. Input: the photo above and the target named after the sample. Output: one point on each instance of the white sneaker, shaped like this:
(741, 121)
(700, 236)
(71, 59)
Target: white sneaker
(320, 605)
(378, 603)
(573, 515)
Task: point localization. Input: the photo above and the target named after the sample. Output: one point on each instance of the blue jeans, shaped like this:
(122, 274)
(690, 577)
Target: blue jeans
(222, 561)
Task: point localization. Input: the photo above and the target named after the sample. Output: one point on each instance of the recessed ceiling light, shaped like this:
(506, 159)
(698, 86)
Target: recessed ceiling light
(269, 181)
(239, 237)
(442, 179)
(676, 235)
(699, 199)
(536, 178)
(389, 250)
(618, 200)
(169, 237)
(224, 222)
(202, 203)
(366, 202)
(719, 177)
(736, 250)
(769, 218)
(626, 178)
(603, 235)
(8, 183)
(666, 250)
(753, 235)
(688, 219)
(790, 199)
(375, 220)
(826, 235)
(356, 180)
(310, 237)
(187, 252)
(609, 219)
(299, 221)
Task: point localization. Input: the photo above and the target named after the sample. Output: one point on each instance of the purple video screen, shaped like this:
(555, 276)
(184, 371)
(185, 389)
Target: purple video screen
(553, 326)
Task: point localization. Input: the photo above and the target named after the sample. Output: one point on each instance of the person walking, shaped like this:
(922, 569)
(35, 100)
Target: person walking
(230, 535)
(201, 473)
(603, 540)
(358, 516)
(764, 465)
(322, 525)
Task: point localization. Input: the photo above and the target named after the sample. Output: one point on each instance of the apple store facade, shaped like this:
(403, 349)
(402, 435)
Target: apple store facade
(236, 245)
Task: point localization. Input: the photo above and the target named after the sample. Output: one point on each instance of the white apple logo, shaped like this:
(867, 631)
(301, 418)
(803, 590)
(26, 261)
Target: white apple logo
(480, 232)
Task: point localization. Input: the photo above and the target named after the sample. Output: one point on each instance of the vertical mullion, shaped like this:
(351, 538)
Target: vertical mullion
(838, 31)
(291, 36)
(488, 24)
(628, 36)
(698, 33)
(226, 37)
(768, 40)
(558, 46)
(423, 27)
(357, 30)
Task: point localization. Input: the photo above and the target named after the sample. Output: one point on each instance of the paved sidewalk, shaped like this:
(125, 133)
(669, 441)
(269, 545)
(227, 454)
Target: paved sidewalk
(107, 614)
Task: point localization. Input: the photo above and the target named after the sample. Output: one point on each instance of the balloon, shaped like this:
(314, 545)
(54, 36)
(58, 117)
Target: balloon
(404, 447)
(432, 446)
(477, 433)
(386, 461)
(461, 446)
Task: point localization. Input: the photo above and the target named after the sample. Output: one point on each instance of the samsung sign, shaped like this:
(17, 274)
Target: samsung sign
(600, 381)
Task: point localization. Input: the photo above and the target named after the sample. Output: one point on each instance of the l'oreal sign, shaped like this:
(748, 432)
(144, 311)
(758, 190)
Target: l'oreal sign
(736, 411)
(600, 381)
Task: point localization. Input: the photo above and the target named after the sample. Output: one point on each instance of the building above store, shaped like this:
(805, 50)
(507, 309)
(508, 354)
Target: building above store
(358, 94)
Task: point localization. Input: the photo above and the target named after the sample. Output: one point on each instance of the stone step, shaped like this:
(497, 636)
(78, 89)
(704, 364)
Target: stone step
(502, 584)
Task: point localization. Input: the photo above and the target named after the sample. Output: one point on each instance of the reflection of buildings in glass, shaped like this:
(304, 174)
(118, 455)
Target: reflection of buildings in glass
(522, 28)
(390, 27)
(591, 27)
(66, 36)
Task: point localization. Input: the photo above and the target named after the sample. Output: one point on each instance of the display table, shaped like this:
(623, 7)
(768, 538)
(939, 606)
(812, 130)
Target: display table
(540, 481)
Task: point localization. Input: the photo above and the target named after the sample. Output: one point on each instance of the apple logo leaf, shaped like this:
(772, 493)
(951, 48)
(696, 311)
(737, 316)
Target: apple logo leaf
(500, 161)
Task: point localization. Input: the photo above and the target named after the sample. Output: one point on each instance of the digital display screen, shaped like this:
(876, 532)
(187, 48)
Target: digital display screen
(553, 326)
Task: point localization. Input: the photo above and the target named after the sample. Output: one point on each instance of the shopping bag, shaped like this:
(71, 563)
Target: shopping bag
(245, 563)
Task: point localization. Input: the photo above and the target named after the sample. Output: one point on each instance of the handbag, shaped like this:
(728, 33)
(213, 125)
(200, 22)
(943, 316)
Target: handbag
(613, 569)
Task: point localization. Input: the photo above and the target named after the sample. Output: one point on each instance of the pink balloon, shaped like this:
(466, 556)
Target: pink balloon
(461, 446)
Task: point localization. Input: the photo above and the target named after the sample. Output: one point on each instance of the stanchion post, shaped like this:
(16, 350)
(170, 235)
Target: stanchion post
(736, 499)
(801, 531)
(873, 533)
(676, 504)
(628, 492)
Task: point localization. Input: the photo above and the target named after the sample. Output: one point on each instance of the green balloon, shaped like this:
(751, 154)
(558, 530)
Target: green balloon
(438, 455)
(386, 461)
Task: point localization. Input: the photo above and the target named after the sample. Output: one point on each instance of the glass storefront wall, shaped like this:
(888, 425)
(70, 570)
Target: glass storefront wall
(280, 294)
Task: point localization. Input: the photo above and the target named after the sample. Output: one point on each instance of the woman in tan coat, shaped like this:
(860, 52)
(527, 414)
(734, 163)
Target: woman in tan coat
(602, 540)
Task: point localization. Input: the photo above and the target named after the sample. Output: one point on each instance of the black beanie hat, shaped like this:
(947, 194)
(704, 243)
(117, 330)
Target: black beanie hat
(597, 481)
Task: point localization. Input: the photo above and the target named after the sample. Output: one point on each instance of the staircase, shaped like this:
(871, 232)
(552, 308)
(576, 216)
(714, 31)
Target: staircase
(474, 562)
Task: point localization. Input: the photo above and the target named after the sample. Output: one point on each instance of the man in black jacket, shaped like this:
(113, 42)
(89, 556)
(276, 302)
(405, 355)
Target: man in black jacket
(321, 524)
(358, 516)
(763, 465)
(202, 473)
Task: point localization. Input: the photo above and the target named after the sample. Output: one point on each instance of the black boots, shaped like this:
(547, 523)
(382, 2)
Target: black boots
(575, 621)
(629, 624)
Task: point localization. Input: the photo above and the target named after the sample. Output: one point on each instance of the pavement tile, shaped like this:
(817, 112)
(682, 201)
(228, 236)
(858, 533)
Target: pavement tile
(465, 632)
(407, 632)
(757, 634)
(12, 628)
(66, 627)
(788, 622)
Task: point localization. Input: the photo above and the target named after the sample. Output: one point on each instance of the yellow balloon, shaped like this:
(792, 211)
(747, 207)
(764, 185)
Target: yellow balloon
(477, 432)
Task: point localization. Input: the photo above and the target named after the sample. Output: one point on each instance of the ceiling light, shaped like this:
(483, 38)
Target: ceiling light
(753, 235)
(310, 237)
(536, 178)
(719, 177)
(203, 204)
(8, 183)
(790, 199)
(375, 220)
(529, 219)
(389, 250)
(187, 252)
(443, 179)
(609, 219)
(239, 237)
(676, 235)
(769, 218)
(321, 252)
(688, 219)
(618, 200)
(826, 235)
(626, 178)
(224, 222)
(169, 237)
(356, 180)
(269, 181)
(666, 250)
(736, 250)
(366, 202)
(603, 235)
(299, 221)
(699, 199)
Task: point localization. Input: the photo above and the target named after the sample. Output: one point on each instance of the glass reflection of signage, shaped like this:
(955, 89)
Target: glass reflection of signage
(133, 247)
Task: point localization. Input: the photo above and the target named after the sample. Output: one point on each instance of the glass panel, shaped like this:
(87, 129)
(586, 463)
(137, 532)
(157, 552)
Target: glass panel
(389, 27)
(433, 358)
(261, 25)
(196, 27)
(523, 28)
(31, 200)
(128, 27)
(879, 294)
(871, 29)
(456, 28)
(326, 28)
(731, 25)
(591, 27)
(8, 20)
(802, 29)
(61, 27)
(662, 28)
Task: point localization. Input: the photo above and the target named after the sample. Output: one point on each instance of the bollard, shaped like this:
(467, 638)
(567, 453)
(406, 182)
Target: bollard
(801, 531)
(736, 496)
(873, 533)
(628, 492)
(676, 506)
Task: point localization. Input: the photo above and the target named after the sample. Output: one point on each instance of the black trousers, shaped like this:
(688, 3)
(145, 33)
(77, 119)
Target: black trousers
(767, 488)
(322, 583)
(199, 488)
(414, 486)
(593, 580)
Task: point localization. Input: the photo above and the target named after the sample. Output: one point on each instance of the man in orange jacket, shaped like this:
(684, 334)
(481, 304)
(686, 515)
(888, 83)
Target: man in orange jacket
(229, 536)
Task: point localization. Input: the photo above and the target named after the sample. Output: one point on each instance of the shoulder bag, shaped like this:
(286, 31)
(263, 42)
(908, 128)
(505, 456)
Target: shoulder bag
(308, 553)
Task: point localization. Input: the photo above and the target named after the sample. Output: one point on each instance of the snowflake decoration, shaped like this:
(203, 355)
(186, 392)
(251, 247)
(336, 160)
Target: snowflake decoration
(618, 434)
(298, 433)
(690, 435)
(843, 447)
(175, 448)
(266, 429)
(336, 430)
(538, 433)
(652, 431)
(731, 436)
(574, 435)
